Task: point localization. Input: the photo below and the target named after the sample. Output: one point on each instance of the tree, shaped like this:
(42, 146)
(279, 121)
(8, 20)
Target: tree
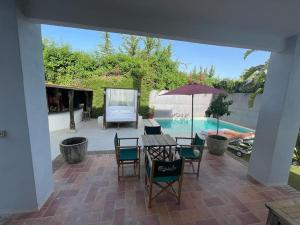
(106, 47)
(218, 108)
(130, 45)
(212, 71)
(253, 80)
(150, 45)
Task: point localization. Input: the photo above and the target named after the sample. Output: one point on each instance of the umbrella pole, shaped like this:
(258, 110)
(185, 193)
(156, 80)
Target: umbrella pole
(192, 129)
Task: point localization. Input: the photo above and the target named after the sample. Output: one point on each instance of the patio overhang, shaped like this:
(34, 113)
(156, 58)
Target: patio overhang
(248, 24)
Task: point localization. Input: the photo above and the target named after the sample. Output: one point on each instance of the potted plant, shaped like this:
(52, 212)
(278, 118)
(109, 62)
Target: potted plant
(74, 149)
(219, 107)
(151, 112)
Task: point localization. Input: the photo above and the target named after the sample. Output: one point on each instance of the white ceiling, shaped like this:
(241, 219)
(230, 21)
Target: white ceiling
(261, 24)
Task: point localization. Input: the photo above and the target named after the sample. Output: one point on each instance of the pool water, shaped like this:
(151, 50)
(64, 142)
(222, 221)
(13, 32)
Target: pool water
(183, 126)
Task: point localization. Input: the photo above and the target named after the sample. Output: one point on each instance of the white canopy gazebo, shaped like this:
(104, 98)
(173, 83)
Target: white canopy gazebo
(121, 105)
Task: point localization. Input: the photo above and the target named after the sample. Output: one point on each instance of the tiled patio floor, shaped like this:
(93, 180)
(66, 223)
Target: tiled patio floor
(89, 194)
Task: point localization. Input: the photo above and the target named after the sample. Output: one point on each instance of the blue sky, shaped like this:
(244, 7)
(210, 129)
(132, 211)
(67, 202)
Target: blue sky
(228, 61)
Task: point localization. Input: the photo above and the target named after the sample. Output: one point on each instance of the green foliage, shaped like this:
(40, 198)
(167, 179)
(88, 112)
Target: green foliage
(231, 86)
(106, 47)
(150, 46)
(150, 67)
(142, 63)
(63, 66)
(218, 108)
(130, 45)
(253, 80)
(248, 52)
(297, 150)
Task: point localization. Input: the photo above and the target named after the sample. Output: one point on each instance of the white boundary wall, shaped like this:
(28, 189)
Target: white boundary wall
(240, 112)
(180, 106)
(60, 121)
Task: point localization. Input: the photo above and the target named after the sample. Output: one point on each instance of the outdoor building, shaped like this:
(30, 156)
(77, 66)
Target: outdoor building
(39, 187)
(58, 99)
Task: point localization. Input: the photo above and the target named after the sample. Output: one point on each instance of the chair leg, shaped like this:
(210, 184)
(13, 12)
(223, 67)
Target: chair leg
(118, 172)
(122, 170)
(134, 168)
(179, 190)
(191, 162)
(150, 194)
(139, 169)
(198, 169)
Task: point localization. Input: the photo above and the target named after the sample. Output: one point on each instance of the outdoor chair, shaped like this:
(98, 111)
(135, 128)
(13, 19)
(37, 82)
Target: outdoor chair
(164, 174)
(152, 130)
(127, 155)
(191, 152)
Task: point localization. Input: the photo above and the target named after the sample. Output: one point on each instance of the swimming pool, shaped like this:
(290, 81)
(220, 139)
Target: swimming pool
(183, 126)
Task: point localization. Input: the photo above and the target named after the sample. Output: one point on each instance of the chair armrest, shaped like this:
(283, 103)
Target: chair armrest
(132, 146)
(193, 146)
(131, 138)
(183, 138)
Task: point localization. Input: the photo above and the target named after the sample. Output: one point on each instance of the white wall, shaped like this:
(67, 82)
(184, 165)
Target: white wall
(180, 105)
(25, 160)
(60, 121)
(241, 113)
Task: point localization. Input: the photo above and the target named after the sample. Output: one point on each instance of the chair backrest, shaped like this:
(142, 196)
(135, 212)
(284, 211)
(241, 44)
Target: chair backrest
(116, 140)
(152, 130)
(167, 168)
(199, 141)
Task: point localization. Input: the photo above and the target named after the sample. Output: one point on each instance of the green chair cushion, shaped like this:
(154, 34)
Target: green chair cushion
(128, 154)
(165, 179)
(160, 179)
(198, 140)
(188, 153)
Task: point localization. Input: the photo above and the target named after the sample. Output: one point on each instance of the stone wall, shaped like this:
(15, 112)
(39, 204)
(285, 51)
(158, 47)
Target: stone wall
(180, 106)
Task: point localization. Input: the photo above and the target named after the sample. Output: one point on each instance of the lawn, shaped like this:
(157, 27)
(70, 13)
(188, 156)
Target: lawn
(294, 178)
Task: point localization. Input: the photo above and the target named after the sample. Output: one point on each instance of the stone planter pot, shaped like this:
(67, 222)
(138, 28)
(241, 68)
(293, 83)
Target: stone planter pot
(74, 149)
(217, 144)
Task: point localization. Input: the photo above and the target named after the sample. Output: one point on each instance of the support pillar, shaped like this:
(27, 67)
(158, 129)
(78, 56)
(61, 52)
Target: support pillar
(71, 109)
(25, 159)
(278, 121)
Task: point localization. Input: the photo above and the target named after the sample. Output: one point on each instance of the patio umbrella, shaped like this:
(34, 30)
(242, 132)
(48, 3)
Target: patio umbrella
(193, 89)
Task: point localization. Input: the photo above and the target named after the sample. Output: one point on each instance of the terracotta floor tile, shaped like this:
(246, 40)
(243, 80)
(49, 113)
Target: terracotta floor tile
(215, 201)
(207, 222)
(89, 193)
(248, 218)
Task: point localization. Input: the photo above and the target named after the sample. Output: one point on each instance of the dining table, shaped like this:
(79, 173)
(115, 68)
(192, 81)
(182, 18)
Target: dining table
(159, 146)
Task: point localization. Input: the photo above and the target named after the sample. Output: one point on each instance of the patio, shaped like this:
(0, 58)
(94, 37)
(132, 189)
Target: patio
(89, 193)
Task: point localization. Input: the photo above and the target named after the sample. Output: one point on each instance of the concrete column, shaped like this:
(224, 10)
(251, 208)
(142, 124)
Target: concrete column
(25, 160)
(278, 121)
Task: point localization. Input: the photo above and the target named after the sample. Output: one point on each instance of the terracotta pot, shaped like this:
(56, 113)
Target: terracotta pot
(217, 144)
(74, 149)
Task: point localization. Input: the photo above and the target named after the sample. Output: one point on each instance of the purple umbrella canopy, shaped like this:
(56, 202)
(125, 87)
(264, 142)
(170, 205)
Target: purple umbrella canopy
(194, 89)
